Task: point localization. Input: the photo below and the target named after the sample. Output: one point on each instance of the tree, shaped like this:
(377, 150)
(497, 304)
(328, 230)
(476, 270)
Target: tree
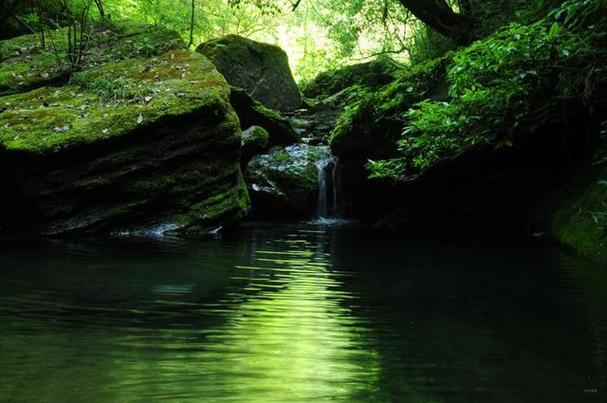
(191, 41)
(438, 15)
(99, 4)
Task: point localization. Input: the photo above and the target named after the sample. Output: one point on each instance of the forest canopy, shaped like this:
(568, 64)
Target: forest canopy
(317, 35)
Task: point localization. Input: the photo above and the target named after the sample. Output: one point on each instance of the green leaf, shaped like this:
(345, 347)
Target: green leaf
(555, 29)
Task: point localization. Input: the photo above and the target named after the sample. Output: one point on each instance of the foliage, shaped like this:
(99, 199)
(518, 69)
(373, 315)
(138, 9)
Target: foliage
(581, 220)
(373, 74)
(28, 64)
(496, 84)
(370, 110)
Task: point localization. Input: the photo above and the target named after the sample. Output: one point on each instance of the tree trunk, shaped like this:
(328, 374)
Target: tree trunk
(438, 15)
(191, 42)
(99, 4)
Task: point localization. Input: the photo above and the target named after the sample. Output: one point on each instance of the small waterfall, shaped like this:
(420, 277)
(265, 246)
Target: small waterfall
(328, 190)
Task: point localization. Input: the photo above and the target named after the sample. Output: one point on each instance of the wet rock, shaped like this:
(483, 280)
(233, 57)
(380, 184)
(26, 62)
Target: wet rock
(284, 182)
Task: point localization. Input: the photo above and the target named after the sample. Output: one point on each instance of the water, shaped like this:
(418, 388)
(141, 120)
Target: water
(328, 192)
(302, 313)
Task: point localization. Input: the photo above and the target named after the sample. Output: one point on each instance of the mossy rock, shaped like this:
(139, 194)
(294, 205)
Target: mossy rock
(372, 120)
(580, 222)
(252, 113)
(133, 143)
(255, 141)
(25, 64)
(259, 68)
(373, 74)
(284, 182)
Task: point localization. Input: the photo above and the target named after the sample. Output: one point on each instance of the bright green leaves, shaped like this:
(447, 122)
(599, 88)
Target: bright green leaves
(496, 84)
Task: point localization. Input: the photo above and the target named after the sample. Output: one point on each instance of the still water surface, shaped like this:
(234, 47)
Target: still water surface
(302, 313)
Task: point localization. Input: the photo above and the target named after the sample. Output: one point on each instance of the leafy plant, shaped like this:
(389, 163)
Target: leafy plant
(496, 84)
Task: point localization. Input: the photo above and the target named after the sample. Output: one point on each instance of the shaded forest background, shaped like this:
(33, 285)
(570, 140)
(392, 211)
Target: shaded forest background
(318, 35)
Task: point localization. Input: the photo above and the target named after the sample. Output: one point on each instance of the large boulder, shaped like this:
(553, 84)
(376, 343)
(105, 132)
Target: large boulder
(259, 68)
(146, 142)
(284, 182)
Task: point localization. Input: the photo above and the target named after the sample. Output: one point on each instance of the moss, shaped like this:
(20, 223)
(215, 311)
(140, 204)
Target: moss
(501, 87)
(111, 101)
(253, 113)
(581, 221)
(255, 140)
(257, 136)
(222, 207)
(284, 182)
(370, 75)
(25, 64)
(259, 68)
(366, 128)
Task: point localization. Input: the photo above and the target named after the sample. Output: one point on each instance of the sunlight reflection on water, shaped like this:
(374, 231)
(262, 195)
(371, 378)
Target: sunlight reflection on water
(307, 313)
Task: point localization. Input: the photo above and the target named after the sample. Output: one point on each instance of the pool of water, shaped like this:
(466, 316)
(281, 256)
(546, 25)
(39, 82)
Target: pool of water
(302, 313)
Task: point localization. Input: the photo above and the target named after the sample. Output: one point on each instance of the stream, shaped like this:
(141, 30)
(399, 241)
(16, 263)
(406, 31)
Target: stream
(302, 313)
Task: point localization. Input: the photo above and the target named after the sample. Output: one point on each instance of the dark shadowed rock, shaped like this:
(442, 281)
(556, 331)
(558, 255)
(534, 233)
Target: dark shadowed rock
(254, 141)
(259, 68)
(252, 113)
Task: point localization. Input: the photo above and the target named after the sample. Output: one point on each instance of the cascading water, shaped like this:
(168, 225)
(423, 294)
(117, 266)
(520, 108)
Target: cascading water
(328, 190)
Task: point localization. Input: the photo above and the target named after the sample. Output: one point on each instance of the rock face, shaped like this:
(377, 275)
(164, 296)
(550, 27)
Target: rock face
(254, 141)
(140, 143)
(284, 182)
(252, 113)
(259, 68)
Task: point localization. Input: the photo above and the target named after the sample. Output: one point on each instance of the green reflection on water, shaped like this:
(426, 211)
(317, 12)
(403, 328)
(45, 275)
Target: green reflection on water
(293, 339)
(284, 334)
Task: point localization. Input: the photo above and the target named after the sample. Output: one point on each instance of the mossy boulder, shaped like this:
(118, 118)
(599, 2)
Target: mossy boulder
(25, 64)
(373, 74)
(255, 141)
(252, 113)
(259, 68)
(580, 220)
(137, 143)
(284, 182)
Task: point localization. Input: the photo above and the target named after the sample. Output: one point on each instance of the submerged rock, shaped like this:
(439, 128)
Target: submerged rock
(284, 182)
(259, 68)
(143, 142)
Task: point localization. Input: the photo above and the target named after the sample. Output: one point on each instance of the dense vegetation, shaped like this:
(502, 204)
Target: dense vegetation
(400, 89)
(522, 73)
